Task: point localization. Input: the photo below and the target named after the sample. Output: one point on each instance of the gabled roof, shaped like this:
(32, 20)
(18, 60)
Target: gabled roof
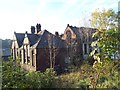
(40, 40)
(81, 31)
(44, 41)
(19, 38)
(33, 38)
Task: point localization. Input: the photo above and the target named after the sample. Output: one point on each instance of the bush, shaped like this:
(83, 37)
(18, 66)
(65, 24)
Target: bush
(84, 77)
(15, 77)
(87, 76)
(111, 77)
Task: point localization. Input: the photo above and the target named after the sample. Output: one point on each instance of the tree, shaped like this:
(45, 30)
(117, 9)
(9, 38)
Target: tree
(107, 33)
(53, 47)
(107, 39)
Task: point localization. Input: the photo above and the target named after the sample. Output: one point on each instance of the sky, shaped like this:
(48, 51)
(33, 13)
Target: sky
(53, 15)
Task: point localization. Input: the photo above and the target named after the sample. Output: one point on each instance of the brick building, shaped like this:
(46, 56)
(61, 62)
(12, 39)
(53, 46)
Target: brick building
(78, 42)
(36, 48)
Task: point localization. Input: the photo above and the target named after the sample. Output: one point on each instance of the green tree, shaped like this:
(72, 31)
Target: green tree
(107, 33)
(107, 40)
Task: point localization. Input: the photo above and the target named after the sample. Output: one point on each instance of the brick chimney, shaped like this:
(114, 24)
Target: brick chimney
(56, 34)
(38, 27)
(32, 29)
(68, 25)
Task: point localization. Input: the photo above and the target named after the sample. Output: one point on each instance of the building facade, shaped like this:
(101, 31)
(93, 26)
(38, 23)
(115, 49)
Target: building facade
(36, 49)
(79, 39)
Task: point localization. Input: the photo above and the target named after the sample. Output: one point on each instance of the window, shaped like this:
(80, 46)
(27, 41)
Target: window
(68, 33)
(20, 56)
(89, 38)
(85, 48)
(32, 57)
(28, 59)
(90, 48)
(24, 55)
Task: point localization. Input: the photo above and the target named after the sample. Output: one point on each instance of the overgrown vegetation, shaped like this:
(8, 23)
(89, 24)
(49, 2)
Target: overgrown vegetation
(104, 73)
(87, 75)
(15, 77)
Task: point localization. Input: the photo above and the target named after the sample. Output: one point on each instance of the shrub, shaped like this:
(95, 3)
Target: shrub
(16, 77)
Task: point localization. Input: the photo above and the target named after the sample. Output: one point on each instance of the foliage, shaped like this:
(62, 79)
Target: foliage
(16, 77)
(40, 80)
(108, 42)
(106, 34)
(72, 68)
(103, 19)
(13, 77)
(87, 77)
(103, 74)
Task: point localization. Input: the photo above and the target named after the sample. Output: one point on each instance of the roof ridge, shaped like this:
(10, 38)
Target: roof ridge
(18, 33)
(81, 27)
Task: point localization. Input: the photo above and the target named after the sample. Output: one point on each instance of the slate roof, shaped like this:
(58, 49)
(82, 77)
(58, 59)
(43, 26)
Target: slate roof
(20, 38)
(33, 38)
(40, 40)
(45, 39)
(59, 42)
(80, 31)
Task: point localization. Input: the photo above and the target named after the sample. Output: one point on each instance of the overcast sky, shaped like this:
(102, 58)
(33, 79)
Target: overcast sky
(53, 15)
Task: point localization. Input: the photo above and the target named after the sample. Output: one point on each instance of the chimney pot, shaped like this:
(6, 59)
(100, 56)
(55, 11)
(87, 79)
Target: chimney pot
(26, 32)
(57, 34)
(67, 24)
(32, 29)
(38, 27)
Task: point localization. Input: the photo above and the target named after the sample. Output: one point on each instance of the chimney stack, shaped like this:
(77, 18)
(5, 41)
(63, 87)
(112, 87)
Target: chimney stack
(38, 27)
(56, 34)
(61, 35)
(68, 25)
(32, 29)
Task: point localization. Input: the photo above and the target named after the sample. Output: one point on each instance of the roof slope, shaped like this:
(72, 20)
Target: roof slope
(48, 38)
(33, 38)
(82, 32)
(19, 38)
(40, 40)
